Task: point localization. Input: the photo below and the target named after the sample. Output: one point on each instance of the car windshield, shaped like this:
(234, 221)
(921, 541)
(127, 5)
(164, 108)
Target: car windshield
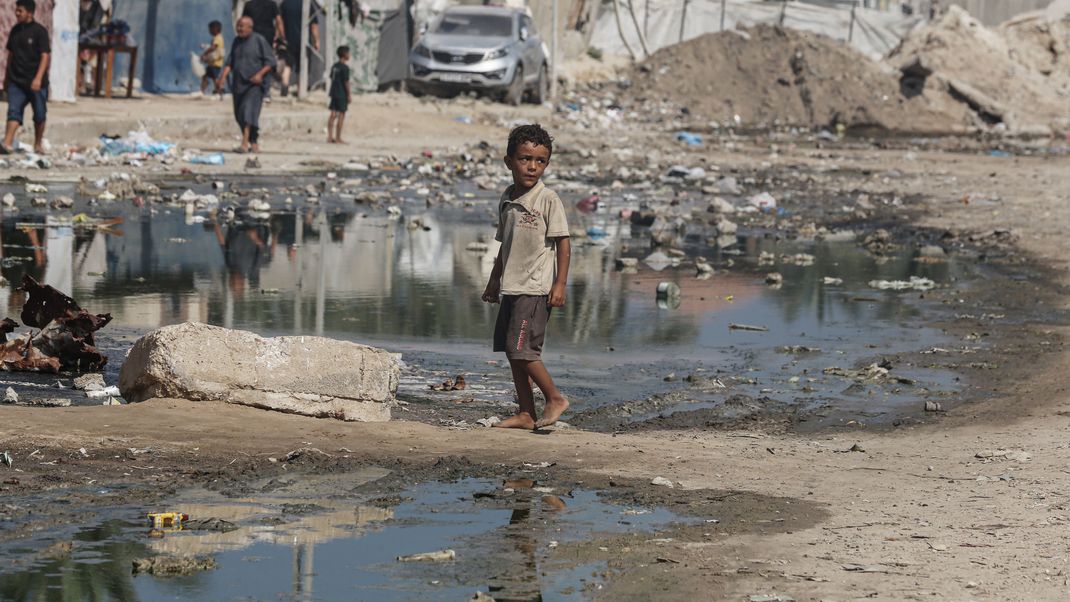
(498, 26)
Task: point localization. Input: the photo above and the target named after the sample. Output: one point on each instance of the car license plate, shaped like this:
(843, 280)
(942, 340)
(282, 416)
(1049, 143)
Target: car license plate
(455, 77)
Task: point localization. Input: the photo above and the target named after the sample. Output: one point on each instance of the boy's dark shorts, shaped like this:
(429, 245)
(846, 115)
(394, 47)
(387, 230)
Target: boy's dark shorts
(339, 104)
(17, 99)
(521, 326)
(212, 72)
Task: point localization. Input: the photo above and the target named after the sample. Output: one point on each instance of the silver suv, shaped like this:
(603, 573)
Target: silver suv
(485, 49)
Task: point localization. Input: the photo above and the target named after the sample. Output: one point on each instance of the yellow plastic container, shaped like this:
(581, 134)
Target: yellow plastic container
(167, 521)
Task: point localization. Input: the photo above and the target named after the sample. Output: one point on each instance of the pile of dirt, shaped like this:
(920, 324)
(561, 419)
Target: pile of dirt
(769, 75)
(1017, 74)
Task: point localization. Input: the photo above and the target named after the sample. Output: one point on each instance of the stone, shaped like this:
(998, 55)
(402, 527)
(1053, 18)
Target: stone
(10, 396)
(662, 482)
(93, 381)
(311, 376)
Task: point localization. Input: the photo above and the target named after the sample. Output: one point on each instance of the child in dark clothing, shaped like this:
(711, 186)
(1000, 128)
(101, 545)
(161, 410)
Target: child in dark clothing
(340, 96)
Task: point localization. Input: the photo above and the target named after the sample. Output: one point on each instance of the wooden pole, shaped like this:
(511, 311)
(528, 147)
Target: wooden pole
(683, 20)
(302, 52)
(553, 53)
(620, 29)
(851, 27)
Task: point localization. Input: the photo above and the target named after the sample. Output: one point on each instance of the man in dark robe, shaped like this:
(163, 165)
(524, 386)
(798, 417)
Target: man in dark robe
(250, 60)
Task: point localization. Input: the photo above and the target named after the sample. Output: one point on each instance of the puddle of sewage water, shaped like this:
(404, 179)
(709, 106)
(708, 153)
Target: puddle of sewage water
(353, 272)
(306, 539)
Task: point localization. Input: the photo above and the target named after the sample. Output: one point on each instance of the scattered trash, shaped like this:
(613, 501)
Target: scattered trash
(915, 283)
(830, 281)
(662, 482)
(933, 406)
(689, 138)
(10, 396)
(169, 566)
(439, 556)
(1004, 454)
(770, 598)
(208, 159)
(252, 163)
(167, 521)
(65, 340)
(763, 201)
(5, 458)
(748, 327)
(488, 422)
(774, 278)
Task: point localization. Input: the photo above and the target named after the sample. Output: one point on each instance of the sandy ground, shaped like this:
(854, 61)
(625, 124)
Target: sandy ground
(293, 132)
(916, 515)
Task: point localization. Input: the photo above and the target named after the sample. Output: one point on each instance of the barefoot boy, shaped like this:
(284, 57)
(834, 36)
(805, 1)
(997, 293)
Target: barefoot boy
(529, 273)
(340, 96)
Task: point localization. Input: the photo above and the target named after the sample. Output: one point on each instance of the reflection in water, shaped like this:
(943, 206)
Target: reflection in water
(310, 539)
(358, 273)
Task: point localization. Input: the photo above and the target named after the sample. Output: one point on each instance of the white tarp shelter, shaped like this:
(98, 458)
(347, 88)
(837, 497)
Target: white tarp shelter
(875, 33)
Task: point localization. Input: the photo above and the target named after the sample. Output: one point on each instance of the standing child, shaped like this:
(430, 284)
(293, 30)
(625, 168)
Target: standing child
(340, 96)
(213, 58)
(529, 273)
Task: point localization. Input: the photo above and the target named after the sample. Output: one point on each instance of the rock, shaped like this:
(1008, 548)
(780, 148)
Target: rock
(93, 381)
(933, 406)
(9, 200)
(774, 278)
(312, 376)
(62, 202)
(10, 396)
(662, 482)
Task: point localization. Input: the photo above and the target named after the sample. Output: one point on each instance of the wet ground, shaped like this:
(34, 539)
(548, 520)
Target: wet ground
(401, 267)
(307, 536)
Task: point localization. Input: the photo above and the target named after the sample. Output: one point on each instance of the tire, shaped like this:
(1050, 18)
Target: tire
(514, 94)
(541, 93)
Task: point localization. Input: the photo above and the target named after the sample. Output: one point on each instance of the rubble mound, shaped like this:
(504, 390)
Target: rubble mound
(1017, 74)
(770, 75)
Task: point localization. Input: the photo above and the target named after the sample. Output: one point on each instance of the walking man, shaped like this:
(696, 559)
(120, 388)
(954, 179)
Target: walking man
(250, 60)
(26, 80)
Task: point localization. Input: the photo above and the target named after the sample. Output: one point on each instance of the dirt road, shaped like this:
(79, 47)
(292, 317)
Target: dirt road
(971, 506)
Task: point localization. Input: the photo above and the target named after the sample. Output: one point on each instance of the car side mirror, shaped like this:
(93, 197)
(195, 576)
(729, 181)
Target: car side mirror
(523, 34)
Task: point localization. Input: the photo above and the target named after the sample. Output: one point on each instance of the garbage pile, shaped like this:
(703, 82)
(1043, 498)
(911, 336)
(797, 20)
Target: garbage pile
(1015, 76)
(64, 341)
(767, 76)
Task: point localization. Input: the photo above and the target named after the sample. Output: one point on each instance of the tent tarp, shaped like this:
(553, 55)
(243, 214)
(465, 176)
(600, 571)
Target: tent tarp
(875, 32)
(166, 33)
(393, 64)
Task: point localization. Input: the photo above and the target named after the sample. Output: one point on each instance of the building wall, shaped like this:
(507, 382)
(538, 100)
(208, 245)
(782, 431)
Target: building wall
(994, 12)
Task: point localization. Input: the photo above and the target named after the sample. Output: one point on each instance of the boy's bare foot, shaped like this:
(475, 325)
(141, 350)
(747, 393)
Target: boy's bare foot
(520, 421)
(340, 141)
(553, 411)
(254, 148)
(330, 140)
(40, 150)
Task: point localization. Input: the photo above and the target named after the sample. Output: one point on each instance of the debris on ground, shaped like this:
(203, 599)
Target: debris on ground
(439, 556)
(662, 482)
(64, 341)
(915, 283)
(173, 566)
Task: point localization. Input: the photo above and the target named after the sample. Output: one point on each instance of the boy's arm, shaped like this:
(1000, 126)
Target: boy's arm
(564, 254)
(494, 285)
(42, 68)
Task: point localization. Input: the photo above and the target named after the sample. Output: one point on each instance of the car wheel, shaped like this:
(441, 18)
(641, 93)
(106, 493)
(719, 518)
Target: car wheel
(542, 87)
(515, 92)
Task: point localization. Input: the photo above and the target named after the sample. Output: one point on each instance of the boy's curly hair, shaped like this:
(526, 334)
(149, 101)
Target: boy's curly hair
(533, 133)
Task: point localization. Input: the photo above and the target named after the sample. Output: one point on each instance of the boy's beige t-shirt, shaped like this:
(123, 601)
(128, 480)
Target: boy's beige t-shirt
(218, 55)
(527, 228)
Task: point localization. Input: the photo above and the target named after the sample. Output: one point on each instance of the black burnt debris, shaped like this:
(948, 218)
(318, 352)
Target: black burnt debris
(64, 342)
